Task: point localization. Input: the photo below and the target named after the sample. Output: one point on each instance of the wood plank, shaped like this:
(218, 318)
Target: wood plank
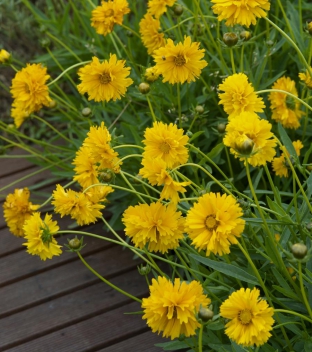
(11, 165)
(74, 308)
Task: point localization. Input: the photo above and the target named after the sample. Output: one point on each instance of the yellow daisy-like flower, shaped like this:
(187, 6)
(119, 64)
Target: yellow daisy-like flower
(214, 223)
(29, 88)
(251, 318)
(171, 307)
(179, 63)
(151, 36)
(285, 109)
(159, 226)
(39, 235)
(158, 7)
(306, 78)
(166, 142)
(249, 137)
(104, 81)
(18, 114)
(239, 96)
(243, 12)
(109, 13)
(4, 56)
(86, 168)
(151, 74)
(279, 164)
(17, 209)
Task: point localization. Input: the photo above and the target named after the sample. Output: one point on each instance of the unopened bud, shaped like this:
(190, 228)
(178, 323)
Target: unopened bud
(245, 148)
(221, 127)
(106, 175)
(245, 35)
(205, 314)
(45, 42)
(144, 88)
(4, 56)
(189, 134)
(199, 109)
(230, 39)
(86, 112)
(144, 269)
(178, 10)
(52, 104)
(299, 250)
(129, 34)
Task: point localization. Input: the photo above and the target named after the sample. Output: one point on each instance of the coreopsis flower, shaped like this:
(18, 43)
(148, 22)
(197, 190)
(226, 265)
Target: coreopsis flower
(306, 78)
(166, 142)
(17, 209)
(109, 13)
(251, 318)
(104, 81)
(18, 114)
(239, 96)
(158, 225)
(4, 56)
(151, 74)
(157, 174)
(151, 35)
(243, 12)
(172, 306)
(29, 89)
(159, 7)
(85, 208)
(214, 223)
(285, 109)
(250, 137)
(279, 164)
(39, 235)
(179, 63)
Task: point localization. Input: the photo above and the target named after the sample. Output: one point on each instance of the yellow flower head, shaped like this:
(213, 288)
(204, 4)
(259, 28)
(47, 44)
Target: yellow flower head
(247, 129)
(158, 7)
(4, 56)
(151, 36)
(39, 235)
(285, 109)
(179, 63)
(166, 142)
(171, 307)
(109, 13)
(29, 88)
(18, 114)
(239, 96)
(243, 12)
(151, 74)
(279, 164)
(250, 317)
(104, 81)
(306, 78)
(86, 168)
(156, 224)
(17, 209)
(214, 223)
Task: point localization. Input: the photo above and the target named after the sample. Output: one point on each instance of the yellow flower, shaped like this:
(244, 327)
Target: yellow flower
(29, 88)
(285, 109)
(171, 307)
(248, 130)
(17, 209)
(279, 164)
(166, 142)
(85, 168)
(4, 56)
(243, 12)
(18, 114)
(104, 81)
(250, 317)
(151, 36)
(39, 235)
(151, 74)
(179, 63)
(156, 224)
(158, 7)
(109, 13)
(214, 223)
(85, 208)
(306, 78)
(239, 96)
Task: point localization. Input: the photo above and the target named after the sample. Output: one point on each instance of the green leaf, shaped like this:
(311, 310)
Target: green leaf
(227, 269)
(286, 140)
(286, 293)
(215, 151)
(195, 135)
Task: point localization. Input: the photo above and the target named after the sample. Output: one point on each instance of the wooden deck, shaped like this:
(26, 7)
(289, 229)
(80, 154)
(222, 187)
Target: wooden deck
(59, 305)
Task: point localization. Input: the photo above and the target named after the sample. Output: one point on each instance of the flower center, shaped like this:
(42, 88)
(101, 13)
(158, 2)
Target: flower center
(109, 13)
(245, 316)
(179, 60)
(165, 147)
(105, 78)
(211, 223)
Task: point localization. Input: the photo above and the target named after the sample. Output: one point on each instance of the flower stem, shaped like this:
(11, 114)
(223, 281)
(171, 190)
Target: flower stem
(179, 105)
(232, 61)
(304, 296)
(151, 108)
(292, 312)
(200, 338)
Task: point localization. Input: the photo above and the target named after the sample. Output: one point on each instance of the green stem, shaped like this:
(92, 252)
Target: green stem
(232, 61)
(292, 312)
(64, 45)
(179, 105)
(52, 128)
(200, 338)
(151, 108)
(304, 296)
(68, 69)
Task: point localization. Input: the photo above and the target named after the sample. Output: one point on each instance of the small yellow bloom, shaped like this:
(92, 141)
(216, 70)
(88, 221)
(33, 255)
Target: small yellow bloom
(306, 78)
(18, 114)
(179, 63)
(109, 13)
(104, 81)
(39, 235)
(159, 7)
(251, 318)
(4, 56)
(172, 306)
(151, 36)
(86, 168)
(243, 12)
(151, 74)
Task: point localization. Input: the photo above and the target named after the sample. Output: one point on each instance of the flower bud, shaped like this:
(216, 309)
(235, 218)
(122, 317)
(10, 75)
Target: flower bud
(245, 35)
(309, 26)
(144, 88)
(144, 269)
(299, 250)
(106, 175)
(205, 314)
(309, 226)
(129, 34)
(178, 10)
(52, 104)
(199, 109)
(45, 42)
(151, 74)
(230, 39)
(4, 56)
(86, 112)
(221, 127)
(74, 243)
(245, 148)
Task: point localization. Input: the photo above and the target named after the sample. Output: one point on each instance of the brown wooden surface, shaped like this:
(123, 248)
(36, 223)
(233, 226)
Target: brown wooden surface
(58, 304)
